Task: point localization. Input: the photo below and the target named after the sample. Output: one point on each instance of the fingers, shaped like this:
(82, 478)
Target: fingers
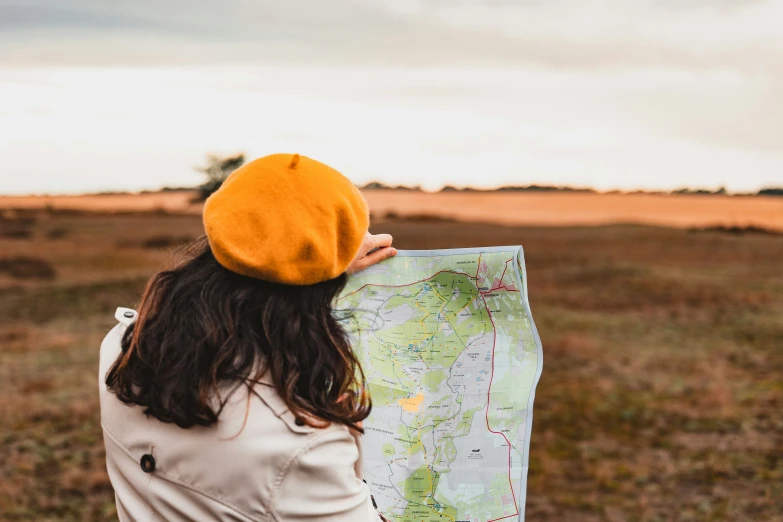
(379, 255)
(379, 241)
(375, 248)
(375, 257)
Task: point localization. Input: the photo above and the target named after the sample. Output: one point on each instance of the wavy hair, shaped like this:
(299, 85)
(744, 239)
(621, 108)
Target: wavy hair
(203, 331)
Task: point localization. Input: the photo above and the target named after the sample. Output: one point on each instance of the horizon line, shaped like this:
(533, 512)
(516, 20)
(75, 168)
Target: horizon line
(377, 185)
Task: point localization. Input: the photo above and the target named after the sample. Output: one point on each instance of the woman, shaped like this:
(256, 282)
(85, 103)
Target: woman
(233, 393)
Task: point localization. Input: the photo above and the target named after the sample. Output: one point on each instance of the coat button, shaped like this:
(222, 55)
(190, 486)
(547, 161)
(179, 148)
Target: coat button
(299, 421)
(129, 314)
(147, 463)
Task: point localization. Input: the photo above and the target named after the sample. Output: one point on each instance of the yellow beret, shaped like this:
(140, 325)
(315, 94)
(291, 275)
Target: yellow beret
(286, 218)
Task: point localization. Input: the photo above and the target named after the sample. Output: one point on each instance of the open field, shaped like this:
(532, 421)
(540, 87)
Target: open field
(662, 392)
(508, 208)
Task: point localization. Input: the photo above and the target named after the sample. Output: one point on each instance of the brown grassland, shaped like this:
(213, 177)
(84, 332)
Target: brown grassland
(508, 208)
(661, 397)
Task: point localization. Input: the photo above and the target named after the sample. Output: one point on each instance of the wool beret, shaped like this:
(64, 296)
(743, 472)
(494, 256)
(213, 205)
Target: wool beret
(288, 219)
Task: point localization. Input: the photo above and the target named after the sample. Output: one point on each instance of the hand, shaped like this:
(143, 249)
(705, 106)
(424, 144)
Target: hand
(368, 256)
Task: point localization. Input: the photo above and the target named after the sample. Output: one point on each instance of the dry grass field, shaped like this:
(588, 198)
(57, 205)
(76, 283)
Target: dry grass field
(661, 397)
(508, 208)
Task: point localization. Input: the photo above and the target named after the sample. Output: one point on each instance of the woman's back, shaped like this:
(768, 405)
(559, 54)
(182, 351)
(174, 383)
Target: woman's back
(256, 463)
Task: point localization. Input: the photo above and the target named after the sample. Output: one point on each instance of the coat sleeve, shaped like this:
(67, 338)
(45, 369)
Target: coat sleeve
(321, 483)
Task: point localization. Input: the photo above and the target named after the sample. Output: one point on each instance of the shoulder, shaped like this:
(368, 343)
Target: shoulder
(320, 480)
(125, 317)
(111, 347)
(325, 449)
(317, 473)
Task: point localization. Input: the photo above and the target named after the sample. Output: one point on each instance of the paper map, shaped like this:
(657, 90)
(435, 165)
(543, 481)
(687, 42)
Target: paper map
(452, 358)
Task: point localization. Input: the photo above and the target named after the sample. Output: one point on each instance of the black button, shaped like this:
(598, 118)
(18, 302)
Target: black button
(129, 314)
(299, 422)
(147, 463)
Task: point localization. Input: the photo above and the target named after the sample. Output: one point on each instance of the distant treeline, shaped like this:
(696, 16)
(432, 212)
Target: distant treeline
(155, 191)
(218, 168)
(520, 188)
(769, 191)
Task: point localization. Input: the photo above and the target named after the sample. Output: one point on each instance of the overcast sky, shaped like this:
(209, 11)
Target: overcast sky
(98, 95)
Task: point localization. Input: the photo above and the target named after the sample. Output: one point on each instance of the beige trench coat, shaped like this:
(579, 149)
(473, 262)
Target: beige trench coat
(271, 470)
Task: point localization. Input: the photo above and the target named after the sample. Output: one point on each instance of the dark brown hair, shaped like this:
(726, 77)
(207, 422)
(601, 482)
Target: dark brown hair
(204, 331)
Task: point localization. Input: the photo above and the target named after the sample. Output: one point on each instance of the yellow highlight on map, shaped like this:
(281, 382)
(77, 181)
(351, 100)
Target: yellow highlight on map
(411, 404)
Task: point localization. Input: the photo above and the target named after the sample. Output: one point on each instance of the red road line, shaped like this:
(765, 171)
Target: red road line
(409, 284)
(489, 394)
(504, 287)
(504, 272)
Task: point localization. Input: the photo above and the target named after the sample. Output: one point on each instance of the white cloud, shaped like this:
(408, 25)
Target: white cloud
(89, 129)
(589, 33)
(632, 93)
(564, 33)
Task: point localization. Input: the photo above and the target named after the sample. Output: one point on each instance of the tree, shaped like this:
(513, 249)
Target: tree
(217, 170)
(771, 191)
